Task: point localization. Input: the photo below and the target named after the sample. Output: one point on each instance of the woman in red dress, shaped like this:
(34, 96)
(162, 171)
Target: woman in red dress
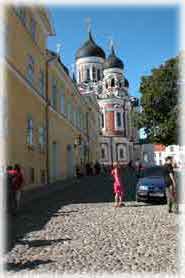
(118, 185)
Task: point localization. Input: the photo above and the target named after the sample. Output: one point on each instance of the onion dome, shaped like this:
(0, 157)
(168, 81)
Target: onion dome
(90, 49)
(113, 61)
(126, 83)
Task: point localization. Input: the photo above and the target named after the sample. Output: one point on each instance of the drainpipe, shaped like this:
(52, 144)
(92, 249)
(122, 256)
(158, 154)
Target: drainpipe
(47, 116)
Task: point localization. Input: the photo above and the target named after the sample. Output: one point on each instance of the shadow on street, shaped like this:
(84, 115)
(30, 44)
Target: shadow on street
(35, 214)
(28, 265)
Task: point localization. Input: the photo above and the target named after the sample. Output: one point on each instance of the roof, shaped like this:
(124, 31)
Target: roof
(159, 147)
(90, 49)
(113, 61)
(59, 60)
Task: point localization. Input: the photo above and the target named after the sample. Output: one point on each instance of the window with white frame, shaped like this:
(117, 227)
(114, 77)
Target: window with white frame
(42, 83)
(102, 153)
(94, 73)
(102, 120)
(62, 102)
(33, 28)
(21, 12)
(42, 137)
(88, 74)
(54, 94)
(98, 75)
(118, 120)
(68, 112)
(30, 69)
(112, 82)
(121, 153)
(30, 131)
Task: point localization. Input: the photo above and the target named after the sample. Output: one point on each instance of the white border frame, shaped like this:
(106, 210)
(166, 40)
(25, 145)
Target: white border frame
(182, 115)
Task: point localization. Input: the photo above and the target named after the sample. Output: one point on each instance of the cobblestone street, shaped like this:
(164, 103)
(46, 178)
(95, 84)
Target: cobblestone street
(79, 230)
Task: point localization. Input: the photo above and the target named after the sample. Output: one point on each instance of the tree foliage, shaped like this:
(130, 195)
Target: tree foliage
(159, 103)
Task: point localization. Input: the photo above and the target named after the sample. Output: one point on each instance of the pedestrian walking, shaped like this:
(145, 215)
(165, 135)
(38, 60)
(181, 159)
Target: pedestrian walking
(91, 169)
(170, 184)
(97, 168)
(118, 185)
(138, 166)
(17, 184)
(10, 174)
(130, 181)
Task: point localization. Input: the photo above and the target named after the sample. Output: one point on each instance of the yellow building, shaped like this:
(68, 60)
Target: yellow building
(27, 30)
(70, 123)
(50, 127)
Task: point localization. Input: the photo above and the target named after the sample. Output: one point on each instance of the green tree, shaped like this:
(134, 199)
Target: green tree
(159, 103)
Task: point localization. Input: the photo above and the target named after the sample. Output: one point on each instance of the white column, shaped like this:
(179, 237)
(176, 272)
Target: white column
(91, 72)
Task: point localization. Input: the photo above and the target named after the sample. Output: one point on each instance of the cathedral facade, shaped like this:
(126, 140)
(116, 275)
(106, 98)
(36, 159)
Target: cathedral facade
(104, 78)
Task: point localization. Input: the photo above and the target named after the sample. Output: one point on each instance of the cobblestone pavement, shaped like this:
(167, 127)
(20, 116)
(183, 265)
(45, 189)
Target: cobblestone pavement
(79, 230)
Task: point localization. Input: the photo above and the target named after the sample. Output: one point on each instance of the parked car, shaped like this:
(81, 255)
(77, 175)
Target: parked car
(151, 186)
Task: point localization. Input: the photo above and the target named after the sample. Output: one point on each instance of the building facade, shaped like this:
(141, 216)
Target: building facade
(27, 30)
(177, 152)
(104, 78)
(51, 128)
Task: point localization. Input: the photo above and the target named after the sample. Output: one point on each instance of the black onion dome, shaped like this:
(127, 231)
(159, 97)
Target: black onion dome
(126, 84)
(113, 61)
(90, 49)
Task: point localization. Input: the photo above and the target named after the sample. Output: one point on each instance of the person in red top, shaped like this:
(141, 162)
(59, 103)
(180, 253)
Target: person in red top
(118, 185)
(10, 174)
(17, 184)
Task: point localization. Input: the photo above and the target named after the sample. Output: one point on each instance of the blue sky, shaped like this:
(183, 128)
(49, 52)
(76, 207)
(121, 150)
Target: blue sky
(144, 36)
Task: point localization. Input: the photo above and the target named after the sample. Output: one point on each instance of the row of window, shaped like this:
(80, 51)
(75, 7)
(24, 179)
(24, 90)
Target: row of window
(121, 154)
(74, 115)
(28, 21)
(112, 83)
(85, 75)
(30, 75)
(30, 134)
(119, 120)
(32, 177)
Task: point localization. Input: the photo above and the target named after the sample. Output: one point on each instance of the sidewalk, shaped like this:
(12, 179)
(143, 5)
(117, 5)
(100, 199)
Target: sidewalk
(43, 191)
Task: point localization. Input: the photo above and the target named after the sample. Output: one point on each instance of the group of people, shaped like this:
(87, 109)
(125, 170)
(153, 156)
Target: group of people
(169, 179)
(90, 169)
(14, 183)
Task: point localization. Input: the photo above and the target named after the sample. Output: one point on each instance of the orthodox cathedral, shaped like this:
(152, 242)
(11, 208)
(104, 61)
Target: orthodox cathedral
(104, 78)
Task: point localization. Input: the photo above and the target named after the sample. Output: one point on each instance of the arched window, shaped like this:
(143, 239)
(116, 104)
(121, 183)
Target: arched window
(98, 75)
(118, 119)
(94, 73)
(102, 121)
(112, 83)
(121, 154)
(30, 69)
(88, 74)
(102, 153)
